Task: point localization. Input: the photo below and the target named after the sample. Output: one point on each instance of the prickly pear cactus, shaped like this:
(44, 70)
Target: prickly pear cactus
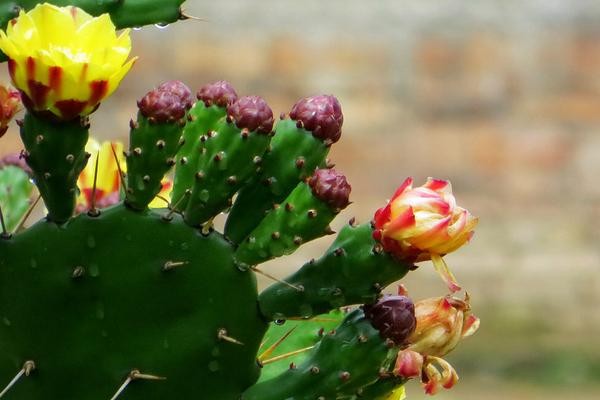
(108, 298)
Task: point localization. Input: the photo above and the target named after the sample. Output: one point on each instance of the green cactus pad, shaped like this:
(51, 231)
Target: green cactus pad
(301, 218)
(352, 271)
(93, 299)
(152, 150)
(15, 194)
(294, 154)
(227, 160)
(56, 154)
(339, 367)
(298, 334)
(201, 121)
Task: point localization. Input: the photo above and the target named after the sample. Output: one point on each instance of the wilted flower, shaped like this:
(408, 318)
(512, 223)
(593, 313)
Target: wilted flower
(424, 223)
(108, 181)
(63, 60)
(441, 323)
(10, 104)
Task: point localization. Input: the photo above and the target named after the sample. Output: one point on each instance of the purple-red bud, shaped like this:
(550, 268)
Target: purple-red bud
(179, 89)
(220, 93)
(331, 187)
(393, 317)
(252, 113)
(167, 103)
(322, 115)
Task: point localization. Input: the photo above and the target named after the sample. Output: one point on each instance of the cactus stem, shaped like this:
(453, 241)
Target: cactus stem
(27, 369)
(135, 375)
(27, 214)
(275, 345)
(5, 234)
(171, 265)
(266, 274)
(286, 355)
(222, 335)
(121, 174)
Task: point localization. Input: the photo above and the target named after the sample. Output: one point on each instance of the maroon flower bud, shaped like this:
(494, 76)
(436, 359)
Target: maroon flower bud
(252, 113)
(331, 187)
(322, 115)
(393, 317)
(220, 93)
(16, 160)
(179, 89)
(167, 103)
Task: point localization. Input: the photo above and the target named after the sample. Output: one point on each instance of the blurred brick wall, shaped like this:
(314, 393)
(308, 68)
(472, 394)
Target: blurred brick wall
(501, 97)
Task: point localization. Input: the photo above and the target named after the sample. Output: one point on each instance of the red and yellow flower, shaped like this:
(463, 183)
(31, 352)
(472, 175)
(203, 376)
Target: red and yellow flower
(108, 182)
(10, 104)
(424, 223)
(442, 323)
(63, 60)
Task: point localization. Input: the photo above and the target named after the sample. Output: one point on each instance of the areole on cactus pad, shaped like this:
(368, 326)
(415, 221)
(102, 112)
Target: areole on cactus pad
(109, 297)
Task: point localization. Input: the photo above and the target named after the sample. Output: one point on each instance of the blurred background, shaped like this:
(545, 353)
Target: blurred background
(500, 97)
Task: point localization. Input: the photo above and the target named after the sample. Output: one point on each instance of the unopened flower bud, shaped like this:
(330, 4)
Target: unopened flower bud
(167, 103)
(424, 223)
(393, 317)
(219, 93)
(252, 113)
(331, 187)
(322, 115)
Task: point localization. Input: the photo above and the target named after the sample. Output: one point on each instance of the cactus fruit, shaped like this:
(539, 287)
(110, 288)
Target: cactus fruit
(131, 302)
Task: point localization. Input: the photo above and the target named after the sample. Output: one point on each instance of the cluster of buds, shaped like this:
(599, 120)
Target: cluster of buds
(441, 324)
(424, 223)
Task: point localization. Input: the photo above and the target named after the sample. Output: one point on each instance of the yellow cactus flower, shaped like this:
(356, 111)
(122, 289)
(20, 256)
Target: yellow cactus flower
(108, 181)
(424, 223)
(63, 60)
